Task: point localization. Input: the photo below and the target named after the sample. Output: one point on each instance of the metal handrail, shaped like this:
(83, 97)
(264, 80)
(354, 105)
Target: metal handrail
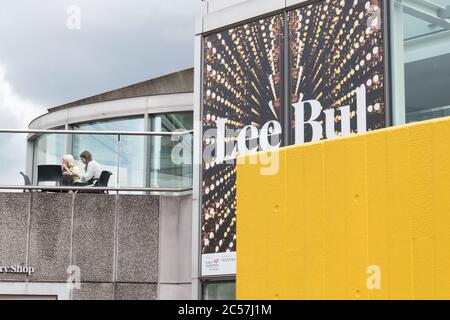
(108, 133)
(74, 188)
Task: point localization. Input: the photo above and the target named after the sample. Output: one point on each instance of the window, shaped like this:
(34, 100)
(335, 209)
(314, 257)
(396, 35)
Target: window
(170, 159)
(104, 149)
(219, 291)
(421, 59)
(48, 149)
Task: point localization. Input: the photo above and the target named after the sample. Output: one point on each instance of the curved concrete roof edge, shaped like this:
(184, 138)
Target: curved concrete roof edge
(177, 82)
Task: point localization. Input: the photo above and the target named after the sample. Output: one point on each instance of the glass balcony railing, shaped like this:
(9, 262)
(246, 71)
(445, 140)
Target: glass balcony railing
(135, 160)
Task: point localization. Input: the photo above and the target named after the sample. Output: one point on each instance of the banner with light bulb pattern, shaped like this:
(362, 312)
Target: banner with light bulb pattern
(336, 87)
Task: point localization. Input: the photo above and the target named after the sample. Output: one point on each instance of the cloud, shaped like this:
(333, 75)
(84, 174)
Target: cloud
(20, 110)
(119, 43)
(16, 113)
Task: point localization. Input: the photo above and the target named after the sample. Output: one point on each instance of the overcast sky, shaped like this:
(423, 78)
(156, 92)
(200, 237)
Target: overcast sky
(43, 63)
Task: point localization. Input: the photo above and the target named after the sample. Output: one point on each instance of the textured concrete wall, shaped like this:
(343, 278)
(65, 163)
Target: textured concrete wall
(50, 235)
(93, 237)
(114, 240)
(14, 215)
(138, 236)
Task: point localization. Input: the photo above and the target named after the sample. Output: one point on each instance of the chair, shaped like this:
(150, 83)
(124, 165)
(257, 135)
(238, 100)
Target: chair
(49, 173)
(102, 182)
(26, 180)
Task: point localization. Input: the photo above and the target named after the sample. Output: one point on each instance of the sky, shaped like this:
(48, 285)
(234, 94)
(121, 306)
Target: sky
(57, 51)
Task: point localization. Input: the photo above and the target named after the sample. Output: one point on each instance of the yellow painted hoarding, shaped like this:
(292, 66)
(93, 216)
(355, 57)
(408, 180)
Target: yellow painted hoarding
(364, 217)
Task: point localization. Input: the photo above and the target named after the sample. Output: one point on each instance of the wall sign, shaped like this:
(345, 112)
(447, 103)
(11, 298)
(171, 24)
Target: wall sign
(17, 269)
(336, 87)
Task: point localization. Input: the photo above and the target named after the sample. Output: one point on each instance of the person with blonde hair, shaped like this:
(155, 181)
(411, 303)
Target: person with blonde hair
(71, 172)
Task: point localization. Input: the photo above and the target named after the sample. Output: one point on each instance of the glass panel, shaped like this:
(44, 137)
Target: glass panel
(415, 27)
(104, 149)
(219, 291)
(422, 30)
(48, 149)
(171, 157)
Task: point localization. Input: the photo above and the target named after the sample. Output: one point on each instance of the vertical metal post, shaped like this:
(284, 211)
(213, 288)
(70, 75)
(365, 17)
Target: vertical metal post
(118, 162)
(386, 31)
(286, 88)
(397, 63)
(146, 173)
(68, 140)
(156, 152)
(30, 171)
(196, 268)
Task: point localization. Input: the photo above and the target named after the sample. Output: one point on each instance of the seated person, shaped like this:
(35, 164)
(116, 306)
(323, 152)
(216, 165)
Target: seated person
(70, 171)
(92, 168)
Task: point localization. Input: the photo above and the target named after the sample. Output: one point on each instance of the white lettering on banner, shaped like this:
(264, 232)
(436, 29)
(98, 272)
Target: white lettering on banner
(272, 130)
(242, 138)
(248, 133)
(317, 111)
(266, 132)
(220, 145)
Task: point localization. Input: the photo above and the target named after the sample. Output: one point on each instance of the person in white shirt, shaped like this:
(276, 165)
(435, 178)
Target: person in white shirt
(92, 168)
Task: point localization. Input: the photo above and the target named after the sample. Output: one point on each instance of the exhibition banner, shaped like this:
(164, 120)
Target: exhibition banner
(312, 73)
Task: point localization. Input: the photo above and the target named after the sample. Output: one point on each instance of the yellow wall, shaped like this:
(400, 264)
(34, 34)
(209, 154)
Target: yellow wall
(337, 207)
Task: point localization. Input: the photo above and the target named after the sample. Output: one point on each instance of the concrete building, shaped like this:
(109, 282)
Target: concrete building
(119, 245)
(331, 80)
